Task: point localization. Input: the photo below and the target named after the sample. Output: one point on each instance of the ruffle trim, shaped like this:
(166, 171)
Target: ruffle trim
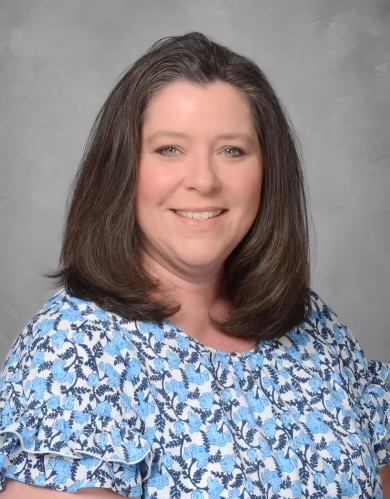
(374, 404)
(75, 435)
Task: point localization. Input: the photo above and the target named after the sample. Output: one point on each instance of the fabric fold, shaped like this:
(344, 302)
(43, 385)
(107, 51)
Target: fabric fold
(73, 434)
(374, 407)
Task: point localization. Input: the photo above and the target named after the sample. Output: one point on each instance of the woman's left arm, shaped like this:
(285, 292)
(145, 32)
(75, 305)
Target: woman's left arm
(385, 479)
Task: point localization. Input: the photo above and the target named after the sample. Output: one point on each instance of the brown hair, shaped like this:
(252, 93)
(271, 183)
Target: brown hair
(266, 277)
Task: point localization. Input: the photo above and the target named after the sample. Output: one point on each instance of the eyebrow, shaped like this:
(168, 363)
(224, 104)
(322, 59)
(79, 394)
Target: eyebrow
(225, 136)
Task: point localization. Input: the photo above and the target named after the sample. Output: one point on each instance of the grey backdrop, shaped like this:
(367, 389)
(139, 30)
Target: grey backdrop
(329, 62)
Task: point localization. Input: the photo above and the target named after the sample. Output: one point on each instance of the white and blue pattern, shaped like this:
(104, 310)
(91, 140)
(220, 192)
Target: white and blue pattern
(88, 399)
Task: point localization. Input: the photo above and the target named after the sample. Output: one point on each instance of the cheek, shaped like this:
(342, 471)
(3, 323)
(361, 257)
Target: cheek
(144, 189)
(248, 191)
(145, 193)
(155, 186)
(149, 192)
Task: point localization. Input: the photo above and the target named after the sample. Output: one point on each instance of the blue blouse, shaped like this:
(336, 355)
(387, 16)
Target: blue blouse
(89, 399)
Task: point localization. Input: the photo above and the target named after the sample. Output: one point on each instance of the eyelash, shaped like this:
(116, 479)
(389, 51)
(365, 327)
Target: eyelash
(241, 151)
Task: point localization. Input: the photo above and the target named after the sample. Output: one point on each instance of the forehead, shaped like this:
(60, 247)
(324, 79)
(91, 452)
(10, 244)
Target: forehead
(189, 108)
(183, 86)
(185, 103)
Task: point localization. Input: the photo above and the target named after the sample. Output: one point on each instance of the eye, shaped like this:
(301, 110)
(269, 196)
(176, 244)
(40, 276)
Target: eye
(236, 150)
(167, 151)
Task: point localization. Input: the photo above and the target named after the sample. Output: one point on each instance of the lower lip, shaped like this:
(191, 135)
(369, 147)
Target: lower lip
(206, 222)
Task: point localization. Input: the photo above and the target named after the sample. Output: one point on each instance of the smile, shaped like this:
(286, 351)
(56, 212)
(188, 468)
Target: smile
(199, 215)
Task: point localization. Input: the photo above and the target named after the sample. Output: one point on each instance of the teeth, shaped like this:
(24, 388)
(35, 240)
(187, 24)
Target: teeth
(199, 215)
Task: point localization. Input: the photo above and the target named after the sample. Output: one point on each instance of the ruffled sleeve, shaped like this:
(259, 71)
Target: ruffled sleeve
(374, 405)
(363, 379)
(67, 422)
(70, 450)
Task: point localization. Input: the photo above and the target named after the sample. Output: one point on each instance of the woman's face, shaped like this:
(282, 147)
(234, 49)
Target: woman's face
(199, 176)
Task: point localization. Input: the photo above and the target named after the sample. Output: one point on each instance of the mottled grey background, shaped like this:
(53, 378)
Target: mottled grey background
(329, 62)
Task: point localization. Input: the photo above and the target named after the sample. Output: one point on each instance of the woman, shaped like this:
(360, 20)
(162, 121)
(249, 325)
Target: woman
(186, 355)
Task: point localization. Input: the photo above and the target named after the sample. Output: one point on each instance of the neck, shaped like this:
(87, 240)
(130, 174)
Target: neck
(198, 292)
(199, 298)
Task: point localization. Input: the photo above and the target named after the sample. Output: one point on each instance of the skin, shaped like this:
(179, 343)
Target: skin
(385, 479)
(203, 171)
(14, 489)
(199, 171)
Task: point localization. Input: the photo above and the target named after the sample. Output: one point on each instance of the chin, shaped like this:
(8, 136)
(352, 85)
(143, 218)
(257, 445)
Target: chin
(198, 262)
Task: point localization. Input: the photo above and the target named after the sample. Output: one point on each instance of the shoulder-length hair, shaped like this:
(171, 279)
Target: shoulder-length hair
(266, 277)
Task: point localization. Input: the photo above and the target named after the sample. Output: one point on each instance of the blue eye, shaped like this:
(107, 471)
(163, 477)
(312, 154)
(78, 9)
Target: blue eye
(172, 151)
(238, 150)
(163, 150)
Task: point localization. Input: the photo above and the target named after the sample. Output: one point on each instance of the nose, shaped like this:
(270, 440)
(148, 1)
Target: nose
(202, 174)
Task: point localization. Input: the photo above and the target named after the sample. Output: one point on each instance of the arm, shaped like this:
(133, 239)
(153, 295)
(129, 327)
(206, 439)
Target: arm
(385, 479)
(60, 399)
(14, 488)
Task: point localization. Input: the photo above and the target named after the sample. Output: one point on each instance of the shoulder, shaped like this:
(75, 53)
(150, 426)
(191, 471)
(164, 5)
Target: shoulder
(326, 324)
(65, 321)
(68, 397)
(327, 339)
(68, 315)
(73, 355)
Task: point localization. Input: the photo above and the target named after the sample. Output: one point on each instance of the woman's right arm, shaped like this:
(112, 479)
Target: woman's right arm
(13, 489)
(63, 426)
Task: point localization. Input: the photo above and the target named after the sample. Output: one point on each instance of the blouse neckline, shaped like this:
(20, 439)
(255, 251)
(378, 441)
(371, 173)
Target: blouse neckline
(204, 348)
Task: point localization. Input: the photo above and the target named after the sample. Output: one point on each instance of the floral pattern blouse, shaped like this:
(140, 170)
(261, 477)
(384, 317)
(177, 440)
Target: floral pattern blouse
(89, 399)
